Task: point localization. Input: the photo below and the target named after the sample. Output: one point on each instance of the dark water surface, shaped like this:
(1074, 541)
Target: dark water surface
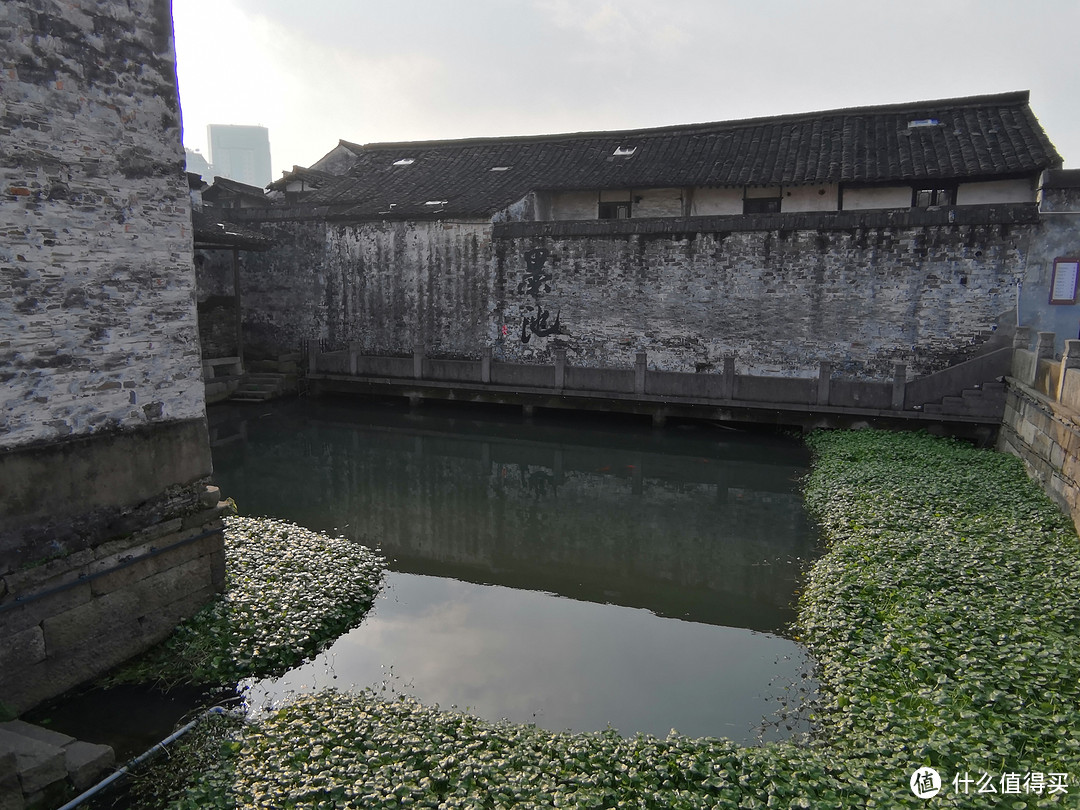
(575, 573)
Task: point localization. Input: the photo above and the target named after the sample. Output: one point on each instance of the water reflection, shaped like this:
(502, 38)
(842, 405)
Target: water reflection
(694, 523)
(568, 664)
(539, 568)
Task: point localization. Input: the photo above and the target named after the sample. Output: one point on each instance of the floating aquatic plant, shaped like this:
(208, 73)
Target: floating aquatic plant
(289, 593)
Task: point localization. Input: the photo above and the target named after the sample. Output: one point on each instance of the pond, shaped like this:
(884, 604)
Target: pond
(577, 573)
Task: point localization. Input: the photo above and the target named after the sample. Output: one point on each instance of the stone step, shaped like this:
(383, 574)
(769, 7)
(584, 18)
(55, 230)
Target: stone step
(259, 387)
(967, 406)
(40, 767)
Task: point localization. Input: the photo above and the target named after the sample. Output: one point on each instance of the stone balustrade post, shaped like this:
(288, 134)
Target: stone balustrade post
(354, 356)
(899, 385)
(418, 361)
(727, 382)
(641, 364)
(485, 365)
(1022, 338)
(824, 382)
(1044, 350)
(1070, 361)
(1044, 345)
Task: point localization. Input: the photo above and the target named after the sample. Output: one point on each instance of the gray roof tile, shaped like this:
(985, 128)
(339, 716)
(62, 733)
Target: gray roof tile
(974, 137)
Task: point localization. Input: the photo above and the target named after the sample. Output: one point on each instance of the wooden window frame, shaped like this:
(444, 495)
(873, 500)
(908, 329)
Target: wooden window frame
(935, 191)
(609, 209)
(762, 205)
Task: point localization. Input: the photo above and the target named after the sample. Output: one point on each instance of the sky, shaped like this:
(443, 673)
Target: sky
(369, 71)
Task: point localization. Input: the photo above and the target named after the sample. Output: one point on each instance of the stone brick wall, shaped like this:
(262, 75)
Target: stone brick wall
(780, 293)
(96, 279)
(1058, 237)
(779, 300)
(383, 286)
(108, 531)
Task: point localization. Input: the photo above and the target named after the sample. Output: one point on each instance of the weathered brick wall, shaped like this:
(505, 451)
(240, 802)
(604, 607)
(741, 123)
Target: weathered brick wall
(780, 301)
(108, 532)
(860, 291)
(282, 291)
(383, 286)
(99, 327)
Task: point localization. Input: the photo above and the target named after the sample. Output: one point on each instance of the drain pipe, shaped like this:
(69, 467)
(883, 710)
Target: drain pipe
(118, 774)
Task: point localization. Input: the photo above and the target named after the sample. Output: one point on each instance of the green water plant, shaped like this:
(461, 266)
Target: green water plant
(945, 619)
(289, 593)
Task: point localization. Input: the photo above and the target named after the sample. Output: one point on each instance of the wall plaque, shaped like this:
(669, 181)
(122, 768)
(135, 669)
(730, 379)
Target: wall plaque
(1063, 282)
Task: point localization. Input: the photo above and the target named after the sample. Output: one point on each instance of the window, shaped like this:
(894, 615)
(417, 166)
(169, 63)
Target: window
(614, 210)
(761, 205)
(927, 197)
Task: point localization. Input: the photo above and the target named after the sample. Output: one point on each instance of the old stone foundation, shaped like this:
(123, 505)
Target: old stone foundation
(106, 542)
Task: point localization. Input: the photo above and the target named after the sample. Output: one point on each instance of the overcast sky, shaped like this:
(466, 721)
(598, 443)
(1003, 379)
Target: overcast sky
(316, 71)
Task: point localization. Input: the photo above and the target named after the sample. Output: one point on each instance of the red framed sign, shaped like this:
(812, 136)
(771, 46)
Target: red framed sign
(1064, 281)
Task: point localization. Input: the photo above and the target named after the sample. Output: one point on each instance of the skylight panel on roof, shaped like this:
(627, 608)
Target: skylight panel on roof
(404, 162)
(923, 122)
(624, 151)
(436, 202)
(500, 168)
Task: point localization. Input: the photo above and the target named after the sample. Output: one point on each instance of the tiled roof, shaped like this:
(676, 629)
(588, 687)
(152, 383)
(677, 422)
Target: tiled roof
(312, 176)
(233, 187)
(974, 137)
(211, 232)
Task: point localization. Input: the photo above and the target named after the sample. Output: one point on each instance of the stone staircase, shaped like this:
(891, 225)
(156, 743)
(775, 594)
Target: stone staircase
(40, 768)
(260, 387)
(986, 400)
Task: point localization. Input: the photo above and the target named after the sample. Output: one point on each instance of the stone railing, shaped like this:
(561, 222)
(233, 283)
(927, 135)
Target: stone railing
(1037, 368)
(823, 392)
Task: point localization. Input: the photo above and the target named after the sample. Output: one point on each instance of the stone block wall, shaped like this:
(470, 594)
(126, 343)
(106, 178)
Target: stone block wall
(1042, 419)
(71, 618)
(104, 457)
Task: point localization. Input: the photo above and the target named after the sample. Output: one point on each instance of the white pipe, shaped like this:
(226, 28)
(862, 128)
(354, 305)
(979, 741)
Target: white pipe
(115, 775)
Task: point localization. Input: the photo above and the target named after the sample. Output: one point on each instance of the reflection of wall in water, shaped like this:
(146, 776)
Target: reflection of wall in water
(590, 514)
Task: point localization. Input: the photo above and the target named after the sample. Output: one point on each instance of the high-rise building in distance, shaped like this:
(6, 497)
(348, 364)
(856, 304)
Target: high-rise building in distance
(240, 153)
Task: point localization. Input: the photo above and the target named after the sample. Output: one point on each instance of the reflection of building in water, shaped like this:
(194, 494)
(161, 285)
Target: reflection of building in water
(713, 536)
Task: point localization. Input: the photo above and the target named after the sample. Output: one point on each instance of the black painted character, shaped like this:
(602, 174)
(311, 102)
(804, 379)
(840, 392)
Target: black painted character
(538, 325)
(536, 280)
